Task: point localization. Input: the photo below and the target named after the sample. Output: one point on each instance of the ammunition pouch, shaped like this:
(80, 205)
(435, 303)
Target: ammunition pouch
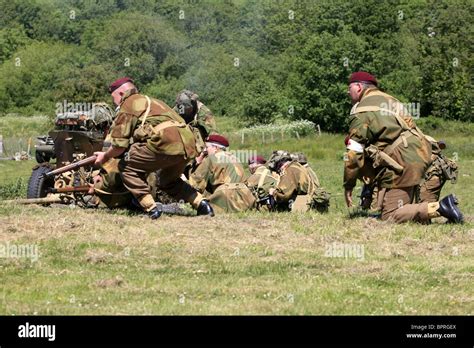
(444, 167)
(318, 200)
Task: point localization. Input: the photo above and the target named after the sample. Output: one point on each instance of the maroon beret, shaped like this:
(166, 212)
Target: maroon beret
(257, 160)
(217, 139)
(362, 76)
(119, 82)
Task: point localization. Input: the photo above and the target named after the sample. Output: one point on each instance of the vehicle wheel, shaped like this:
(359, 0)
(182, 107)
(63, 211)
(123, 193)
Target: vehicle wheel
(38, 185)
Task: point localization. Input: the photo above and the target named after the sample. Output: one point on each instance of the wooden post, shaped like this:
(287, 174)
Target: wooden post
(297, 135)
(243, 138)
(319, 130)
(1, 145)
(28, 152)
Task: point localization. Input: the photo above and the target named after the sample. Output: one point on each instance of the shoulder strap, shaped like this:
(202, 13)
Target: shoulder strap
(147, 111)
(263, 174)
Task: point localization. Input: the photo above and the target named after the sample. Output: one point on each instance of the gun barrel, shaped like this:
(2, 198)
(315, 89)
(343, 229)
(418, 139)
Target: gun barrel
(67, 189)
(72, 166)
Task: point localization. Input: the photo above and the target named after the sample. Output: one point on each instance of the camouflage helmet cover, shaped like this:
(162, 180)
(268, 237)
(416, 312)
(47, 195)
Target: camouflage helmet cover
(277, 159)
(186, 98)
(299, 157)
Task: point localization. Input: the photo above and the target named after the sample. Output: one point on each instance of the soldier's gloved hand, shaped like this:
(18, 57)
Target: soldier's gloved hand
(348, 197)
(271, 191)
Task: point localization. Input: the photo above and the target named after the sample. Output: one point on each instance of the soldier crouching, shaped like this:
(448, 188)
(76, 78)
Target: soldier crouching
(162, 142)
(384, 134)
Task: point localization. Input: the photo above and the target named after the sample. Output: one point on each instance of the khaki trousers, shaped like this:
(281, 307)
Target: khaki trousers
(430, 190)
(396, 205)
(141, 161)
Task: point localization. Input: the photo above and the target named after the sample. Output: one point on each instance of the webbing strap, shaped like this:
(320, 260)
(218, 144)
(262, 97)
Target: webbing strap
(401, 139)
(167, 124)
(147, 111)
(263, 174)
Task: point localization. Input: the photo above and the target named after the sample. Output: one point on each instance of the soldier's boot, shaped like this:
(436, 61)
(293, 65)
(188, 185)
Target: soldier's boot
(205, 208)
(448, 208)
(154, 213)
(148, 204)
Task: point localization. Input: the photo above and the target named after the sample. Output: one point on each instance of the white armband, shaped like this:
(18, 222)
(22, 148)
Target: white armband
(355, 146)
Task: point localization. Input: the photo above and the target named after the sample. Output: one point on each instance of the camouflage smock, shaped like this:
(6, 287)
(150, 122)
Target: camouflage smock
(294, 180)
(372, 122)
(261, 181)
(215, 170)
(223, 179)
(174, 140)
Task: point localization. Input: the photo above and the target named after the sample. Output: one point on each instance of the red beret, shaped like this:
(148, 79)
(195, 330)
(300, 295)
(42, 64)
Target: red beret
(217, 139)
(257, 160)
(119, 82)
(362, 76)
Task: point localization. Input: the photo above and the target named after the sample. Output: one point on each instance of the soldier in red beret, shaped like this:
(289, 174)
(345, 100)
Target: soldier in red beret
(220, 176)
(383, 136)
(162, 143)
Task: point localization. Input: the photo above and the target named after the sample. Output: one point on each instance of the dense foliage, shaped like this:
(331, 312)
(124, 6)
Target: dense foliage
(256, 60)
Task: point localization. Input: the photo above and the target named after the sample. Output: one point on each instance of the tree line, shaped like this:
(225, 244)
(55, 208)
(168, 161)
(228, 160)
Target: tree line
(260, 61)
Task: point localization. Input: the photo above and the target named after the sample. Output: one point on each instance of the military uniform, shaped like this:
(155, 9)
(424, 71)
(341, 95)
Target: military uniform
(222, 177)
(260, 183)
(385, 136)
(295, 182)
(440, 170)
(161, 142)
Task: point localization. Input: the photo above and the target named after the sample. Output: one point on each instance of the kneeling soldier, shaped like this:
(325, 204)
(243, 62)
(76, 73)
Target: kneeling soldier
(219, 173)
(162, 142)
(296, 188)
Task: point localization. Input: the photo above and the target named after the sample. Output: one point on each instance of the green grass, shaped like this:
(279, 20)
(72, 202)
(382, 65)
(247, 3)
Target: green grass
(23, 127)
(104, 262)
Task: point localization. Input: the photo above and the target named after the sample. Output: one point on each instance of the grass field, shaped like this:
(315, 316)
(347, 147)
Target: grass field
(111, 262)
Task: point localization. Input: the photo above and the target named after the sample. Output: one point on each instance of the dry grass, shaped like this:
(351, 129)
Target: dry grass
(98, 262)
(102, 262)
